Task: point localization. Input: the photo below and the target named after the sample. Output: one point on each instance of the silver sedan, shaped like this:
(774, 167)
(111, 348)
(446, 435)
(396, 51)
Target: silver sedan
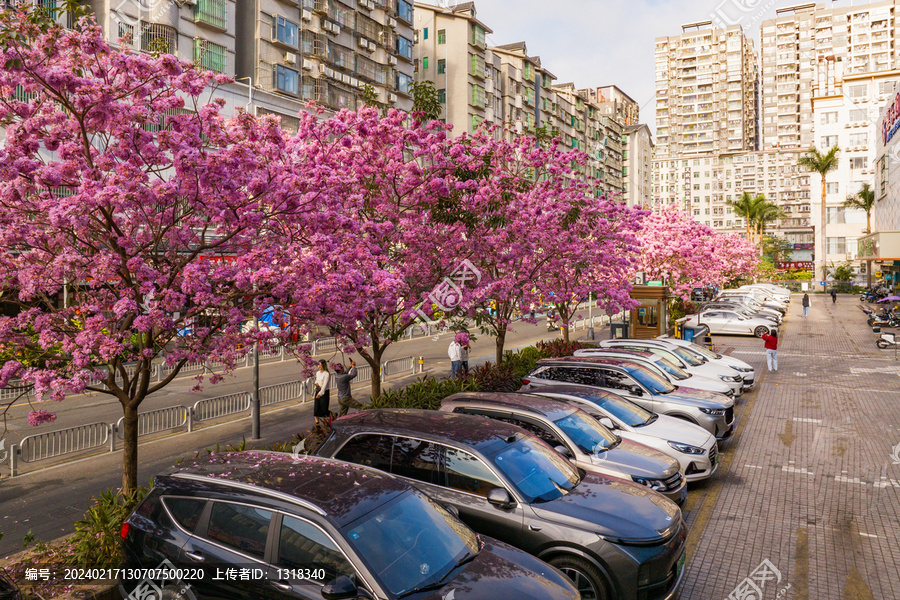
(730, 322)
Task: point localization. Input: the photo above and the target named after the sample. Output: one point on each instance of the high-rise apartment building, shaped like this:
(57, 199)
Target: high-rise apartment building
(807, 51)
(637, 170)
(706, 84)
(627, 111)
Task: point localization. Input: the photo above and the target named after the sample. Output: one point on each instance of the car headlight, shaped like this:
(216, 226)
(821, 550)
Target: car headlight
(741, 369)
(718, 412)
(686, 448)
(731, 378)
(654, 484)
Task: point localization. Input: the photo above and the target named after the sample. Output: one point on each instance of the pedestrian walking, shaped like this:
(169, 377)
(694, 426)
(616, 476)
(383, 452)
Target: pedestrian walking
(455, 353)
(833, 295)
(463, 340)
(771, 350)
(322, 398)
(805, 305)
(342, 382)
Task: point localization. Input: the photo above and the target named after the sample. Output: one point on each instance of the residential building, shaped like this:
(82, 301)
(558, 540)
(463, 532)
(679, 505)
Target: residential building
(882, 245)
(637, 170)
(627, 111)
(706, 89)
(327, 50)
(808, 50)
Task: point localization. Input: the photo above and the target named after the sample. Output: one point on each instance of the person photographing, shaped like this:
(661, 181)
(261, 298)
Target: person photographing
(771, 350)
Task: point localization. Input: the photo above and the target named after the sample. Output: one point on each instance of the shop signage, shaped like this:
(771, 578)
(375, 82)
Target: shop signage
(796, 266)
(890, 124)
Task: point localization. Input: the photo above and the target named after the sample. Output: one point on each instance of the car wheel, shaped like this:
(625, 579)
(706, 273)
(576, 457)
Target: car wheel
(760, 331)
(588, 579)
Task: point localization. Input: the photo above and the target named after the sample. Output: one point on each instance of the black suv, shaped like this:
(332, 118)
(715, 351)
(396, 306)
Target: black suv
(612, 537)
(252, 525)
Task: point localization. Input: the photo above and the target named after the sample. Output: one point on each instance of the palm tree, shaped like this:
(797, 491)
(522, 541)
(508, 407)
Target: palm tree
(757, 212)
(746, 209)
(821, 164)
(864, 199)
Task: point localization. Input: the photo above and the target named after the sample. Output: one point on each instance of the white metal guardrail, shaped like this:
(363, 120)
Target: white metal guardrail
(77, 440)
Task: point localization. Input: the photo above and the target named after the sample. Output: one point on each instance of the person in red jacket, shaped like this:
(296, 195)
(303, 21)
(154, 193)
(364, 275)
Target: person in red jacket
(771, 350)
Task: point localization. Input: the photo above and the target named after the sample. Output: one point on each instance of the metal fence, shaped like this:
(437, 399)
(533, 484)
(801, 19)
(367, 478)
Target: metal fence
(77, 440)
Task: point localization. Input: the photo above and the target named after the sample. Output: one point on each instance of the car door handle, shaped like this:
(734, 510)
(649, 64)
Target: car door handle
(284, 587)
(195, 556)
(534, 528)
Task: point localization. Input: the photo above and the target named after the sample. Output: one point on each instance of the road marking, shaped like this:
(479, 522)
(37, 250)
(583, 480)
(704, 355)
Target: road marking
(801, 565)
(856, 480)
(788, 437)
(807, 420)
(868, 535)
(789, 469)
(752, 467)
(856, 588)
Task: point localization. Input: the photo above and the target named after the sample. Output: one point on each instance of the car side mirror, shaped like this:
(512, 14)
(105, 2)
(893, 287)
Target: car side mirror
(563, 450)
(607, 422)
(500, 498)
(341, 588)
(636, 390)
(451, 509)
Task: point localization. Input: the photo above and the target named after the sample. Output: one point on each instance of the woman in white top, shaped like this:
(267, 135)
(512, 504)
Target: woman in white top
(323, 382)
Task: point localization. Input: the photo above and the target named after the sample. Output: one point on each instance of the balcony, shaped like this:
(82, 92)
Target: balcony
(211, 12)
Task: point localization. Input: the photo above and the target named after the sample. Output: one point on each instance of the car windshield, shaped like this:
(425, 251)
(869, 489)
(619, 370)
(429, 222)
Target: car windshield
(703, 351)
(624, 410)
(671, 368)
(536, 471)
(411, 543)
(654, 383)
(688, 357)
(586, 433)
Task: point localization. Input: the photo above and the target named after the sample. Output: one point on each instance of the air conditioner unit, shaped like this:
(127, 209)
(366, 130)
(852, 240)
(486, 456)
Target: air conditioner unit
(363, 43)
(307, 65)
(329, 72)
(335, 29)
(306, 15)
(392, 60)
(392, 22)
(290, 58)
(322, 68)
(392, 97)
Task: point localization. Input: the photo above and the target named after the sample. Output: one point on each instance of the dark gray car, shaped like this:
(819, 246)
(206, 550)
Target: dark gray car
(613, 538)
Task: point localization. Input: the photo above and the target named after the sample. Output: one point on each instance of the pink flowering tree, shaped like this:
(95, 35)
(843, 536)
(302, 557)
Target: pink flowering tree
(737, 258)
(399, 257)
(137, 221)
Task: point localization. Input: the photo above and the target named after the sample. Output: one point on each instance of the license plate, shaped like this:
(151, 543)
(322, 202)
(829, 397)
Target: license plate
(683, 493)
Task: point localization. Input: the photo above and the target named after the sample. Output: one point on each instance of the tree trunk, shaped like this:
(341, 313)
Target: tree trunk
(499, 341)
(374, 361)
(824, 239)
(129, 447)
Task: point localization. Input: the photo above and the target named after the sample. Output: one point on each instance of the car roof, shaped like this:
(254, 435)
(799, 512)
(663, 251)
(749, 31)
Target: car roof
(469, 430)
(655, 343)
(575, 390)
(341, 491)
(590, 360)
(638, 353)
(522, 402)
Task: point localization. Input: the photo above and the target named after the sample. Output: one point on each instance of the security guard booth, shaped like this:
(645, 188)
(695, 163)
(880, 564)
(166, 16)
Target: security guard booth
(651, 318)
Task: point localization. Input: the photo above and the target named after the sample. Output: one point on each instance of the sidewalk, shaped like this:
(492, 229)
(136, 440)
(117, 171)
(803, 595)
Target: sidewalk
(809, 483)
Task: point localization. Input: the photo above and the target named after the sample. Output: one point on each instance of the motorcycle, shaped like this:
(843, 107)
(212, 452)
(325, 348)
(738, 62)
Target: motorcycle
(886, 340)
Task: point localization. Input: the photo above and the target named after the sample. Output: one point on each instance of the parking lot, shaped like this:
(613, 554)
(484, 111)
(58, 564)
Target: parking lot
(807, 504)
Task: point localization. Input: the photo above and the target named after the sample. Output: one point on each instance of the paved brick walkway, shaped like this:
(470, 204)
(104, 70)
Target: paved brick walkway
(810, 484)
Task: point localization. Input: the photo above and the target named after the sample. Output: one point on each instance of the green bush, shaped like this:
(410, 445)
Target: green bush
(95, 542)
(558, 347)
(426, 393)
(496, 378)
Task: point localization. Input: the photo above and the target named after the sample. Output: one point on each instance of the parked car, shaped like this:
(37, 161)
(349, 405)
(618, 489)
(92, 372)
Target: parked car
(691, 445)
(729, 322)
(688, 361)
(580, 438)
(713, 412)
(664, 368)
(756, 297)
(765, 313)
(613, 538)
(753, 305)
(776, 294)
(364, 534)
(746, 370)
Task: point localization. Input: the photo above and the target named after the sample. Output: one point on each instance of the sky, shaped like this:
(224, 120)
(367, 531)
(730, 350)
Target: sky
(611, 42)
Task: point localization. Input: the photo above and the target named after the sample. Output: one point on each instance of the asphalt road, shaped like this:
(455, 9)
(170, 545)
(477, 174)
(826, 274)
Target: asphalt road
(48, 501)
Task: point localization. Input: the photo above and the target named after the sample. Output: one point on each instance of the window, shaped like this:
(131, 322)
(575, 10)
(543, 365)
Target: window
(416, 459)
(403, 81)
(126, 33)
(886, 87)
(209, 56)
(425, 63)
(425, 34)
(477, 94)
(368, 450)
(243, 528)
(468, 474)
(286, 32)
(211, 12)
(405, 10)
(858, 162)
(829, 141)
(302, 545)
(442, 37)
(836, 245)
(404, 47)
(186, 511)
(858, 91)
(829, 117)
(859, 139)
(285, 79)
(477, 35)
(156, 37)
(858, 114)
(835, 214)
(442, 66)
(442, 96)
